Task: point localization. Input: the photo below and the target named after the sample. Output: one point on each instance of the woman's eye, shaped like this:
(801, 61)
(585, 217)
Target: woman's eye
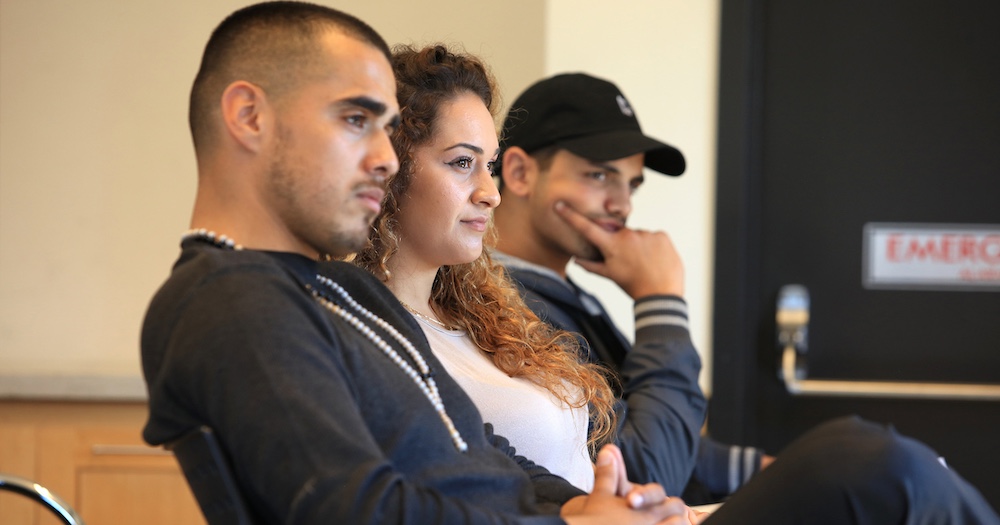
(599, 176)
(463, 163)
(491, 166)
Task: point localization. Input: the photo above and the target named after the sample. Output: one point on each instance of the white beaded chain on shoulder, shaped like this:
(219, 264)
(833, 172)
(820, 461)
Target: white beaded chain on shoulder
(423, 378)
(217, 240)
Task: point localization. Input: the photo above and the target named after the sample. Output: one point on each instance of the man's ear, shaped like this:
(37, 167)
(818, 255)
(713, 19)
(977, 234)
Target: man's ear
(246, 114)
(519, 171)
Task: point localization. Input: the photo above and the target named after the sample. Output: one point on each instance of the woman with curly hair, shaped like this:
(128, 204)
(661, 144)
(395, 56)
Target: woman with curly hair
(431, 244)
(428, 247)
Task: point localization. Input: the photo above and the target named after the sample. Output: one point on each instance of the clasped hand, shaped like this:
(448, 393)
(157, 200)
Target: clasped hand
(618, 501)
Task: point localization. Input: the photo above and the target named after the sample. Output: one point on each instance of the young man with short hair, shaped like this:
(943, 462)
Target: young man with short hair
(318, 384)
(575, 139)
(573, 155)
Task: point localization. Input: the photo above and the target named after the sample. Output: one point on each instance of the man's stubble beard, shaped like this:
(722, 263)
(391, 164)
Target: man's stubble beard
(321, 232)
(571, 243)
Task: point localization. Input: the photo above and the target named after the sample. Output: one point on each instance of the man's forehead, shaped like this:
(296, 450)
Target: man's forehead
(348, 54)
(361, 75)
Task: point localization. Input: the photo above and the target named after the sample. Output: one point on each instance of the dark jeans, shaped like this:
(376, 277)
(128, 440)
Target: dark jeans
(850, 471)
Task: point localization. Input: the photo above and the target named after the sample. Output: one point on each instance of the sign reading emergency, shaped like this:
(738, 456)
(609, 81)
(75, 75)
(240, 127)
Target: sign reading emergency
(932, 256)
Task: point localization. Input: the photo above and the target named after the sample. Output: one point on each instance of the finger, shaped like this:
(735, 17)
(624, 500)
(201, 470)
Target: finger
(600, 268)
(606, 473)
(696, 517)
(624, 486)
(648, 495)
(592, 232)
(673, 511)
(638, 496)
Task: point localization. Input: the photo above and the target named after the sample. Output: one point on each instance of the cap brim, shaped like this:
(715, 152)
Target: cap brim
(614, 145)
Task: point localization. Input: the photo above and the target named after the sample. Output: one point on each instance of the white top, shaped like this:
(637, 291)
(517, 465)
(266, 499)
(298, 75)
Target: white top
(538, 425)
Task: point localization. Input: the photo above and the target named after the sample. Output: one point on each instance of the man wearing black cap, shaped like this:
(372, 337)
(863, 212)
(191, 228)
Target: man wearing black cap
(574, 154)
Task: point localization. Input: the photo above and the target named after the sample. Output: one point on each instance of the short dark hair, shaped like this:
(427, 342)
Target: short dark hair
(270, 44)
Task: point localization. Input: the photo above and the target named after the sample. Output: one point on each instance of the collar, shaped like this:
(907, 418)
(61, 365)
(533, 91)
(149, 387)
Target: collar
(589, 303)
(517, 263)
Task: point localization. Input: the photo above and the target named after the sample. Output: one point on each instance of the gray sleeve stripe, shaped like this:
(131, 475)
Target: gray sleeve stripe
(734, 469)
(649, 305)
(749, 455)
(652, 320)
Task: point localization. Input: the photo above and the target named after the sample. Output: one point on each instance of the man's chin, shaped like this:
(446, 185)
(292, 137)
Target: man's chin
(588, 252)
(346, 243)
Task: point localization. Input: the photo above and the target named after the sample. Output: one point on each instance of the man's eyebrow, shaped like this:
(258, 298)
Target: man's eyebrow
(605, 167)
(637, 180)
(375, 107)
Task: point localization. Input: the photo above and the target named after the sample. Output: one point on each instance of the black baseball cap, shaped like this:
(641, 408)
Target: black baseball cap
(587, 116)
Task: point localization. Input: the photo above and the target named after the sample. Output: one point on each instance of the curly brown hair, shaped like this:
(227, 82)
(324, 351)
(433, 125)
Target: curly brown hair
(479, 296)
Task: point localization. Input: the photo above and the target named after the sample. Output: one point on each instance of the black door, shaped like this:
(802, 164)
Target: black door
(840, 121)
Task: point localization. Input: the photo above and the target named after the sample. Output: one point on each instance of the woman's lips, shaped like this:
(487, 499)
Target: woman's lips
(478, 224)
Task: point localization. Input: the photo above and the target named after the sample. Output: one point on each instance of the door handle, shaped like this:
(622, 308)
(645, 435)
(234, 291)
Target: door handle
(98, 449)
(792, 317)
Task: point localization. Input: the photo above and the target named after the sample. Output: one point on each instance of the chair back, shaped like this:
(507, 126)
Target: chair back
(42, 495)
(210, 477)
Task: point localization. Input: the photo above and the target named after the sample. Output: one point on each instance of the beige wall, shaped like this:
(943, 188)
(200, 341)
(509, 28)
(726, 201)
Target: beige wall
(663, 54)
(97, 173)
(96, 168)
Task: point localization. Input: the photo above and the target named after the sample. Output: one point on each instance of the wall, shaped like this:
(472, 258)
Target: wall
(97, 173)
(663, 55)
